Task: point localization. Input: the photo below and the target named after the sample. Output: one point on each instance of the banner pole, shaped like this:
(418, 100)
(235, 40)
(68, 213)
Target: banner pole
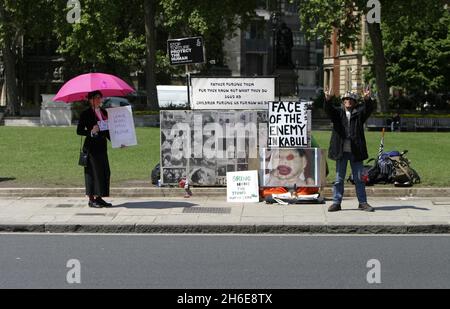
(188, 81)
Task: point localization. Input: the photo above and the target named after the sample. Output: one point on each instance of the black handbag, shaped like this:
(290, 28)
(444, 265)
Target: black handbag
(83, 159)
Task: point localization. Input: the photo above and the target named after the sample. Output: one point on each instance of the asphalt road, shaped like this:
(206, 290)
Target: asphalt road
(223, 261)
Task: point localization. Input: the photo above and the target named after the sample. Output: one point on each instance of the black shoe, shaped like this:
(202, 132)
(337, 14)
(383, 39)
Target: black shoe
(94, 204)
(102, 202)
(334, 207)
(366, 207)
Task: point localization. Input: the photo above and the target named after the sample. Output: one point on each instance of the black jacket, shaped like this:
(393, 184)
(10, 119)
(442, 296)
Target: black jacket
(355, 131)
(88, 120)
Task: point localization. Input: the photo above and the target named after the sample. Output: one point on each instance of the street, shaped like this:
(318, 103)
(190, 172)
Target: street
(223, 261)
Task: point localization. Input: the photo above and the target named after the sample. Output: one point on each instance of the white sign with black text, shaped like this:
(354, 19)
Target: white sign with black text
(288, 124)
(232, 93)
(242, 187)
(121, 126)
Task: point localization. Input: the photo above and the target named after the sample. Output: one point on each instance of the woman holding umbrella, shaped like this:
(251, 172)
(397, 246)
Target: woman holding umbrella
(94, 125)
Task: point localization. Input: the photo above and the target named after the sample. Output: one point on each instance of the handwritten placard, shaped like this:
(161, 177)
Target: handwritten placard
(288, 124)
(121, 126)
(242, 187)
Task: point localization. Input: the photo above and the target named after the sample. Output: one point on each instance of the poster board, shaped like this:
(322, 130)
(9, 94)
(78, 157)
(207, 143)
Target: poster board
(205, 145)
(242, 187)
(236, 93)
(121, 126)
(290, 167)
(197, 145)
(186, 51)
(288, 125)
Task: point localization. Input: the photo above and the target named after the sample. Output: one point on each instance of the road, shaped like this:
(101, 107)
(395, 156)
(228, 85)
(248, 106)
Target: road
(223, 261)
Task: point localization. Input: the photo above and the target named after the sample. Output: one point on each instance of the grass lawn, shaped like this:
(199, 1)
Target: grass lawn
(428, 153)
(46, 156)
(42, 157)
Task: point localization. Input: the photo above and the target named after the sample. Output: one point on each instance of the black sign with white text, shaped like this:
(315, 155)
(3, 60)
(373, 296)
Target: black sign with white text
(186, 51)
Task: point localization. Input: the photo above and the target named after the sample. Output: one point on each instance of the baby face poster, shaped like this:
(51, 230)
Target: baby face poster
(289, 167)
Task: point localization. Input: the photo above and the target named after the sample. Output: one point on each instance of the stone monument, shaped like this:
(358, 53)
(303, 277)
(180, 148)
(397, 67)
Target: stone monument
(284, 67)
(55, 113)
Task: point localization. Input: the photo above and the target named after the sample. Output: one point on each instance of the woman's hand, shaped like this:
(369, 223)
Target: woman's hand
(95, 130)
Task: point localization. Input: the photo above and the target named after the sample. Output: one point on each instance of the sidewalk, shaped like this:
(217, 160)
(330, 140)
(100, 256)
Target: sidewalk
(149, 190)
(394, 215)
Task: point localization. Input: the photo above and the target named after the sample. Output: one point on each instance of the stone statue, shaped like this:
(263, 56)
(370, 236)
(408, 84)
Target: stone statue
(284, 46)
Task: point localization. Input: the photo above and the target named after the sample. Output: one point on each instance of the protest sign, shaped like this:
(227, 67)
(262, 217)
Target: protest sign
(288, 125)
(242, 187)
(121, 126)
(186, 51)
(289, 167)
(205, 145)
(232, 93)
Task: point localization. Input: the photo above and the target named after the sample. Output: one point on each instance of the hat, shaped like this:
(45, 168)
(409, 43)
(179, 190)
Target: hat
(350, 95)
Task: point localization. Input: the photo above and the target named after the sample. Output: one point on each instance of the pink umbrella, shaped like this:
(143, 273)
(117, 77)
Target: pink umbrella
(77, 88)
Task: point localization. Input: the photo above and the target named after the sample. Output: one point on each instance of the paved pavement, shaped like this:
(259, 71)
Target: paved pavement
(397, 215)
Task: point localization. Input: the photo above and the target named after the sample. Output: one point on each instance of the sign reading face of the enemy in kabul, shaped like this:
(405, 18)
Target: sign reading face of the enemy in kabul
(288, 125)
(186, 51)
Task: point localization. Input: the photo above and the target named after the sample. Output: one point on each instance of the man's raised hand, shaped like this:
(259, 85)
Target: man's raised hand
(327, 94)
(367, 93)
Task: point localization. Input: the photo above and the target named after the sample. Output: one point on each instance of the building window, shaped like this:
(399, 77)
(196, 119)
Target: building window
(327, 51)
(288, 7)
(348, 79)
(256, 30)
(299, 38)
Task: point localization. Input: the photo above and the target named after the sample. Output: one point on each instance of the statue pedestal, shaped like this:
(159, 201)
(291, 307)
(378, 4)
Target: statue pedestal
(287, 82)
(55, 113)
(219, 71)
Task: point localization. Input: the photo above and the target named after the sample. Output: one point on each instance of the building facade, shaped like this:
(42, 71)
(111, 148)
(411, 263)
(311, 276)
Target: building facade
(343, 68)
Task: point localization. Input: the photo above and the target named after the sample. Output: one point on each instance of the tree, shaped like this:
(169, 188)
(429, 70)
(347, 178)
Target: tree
(150, 7)
(191, 17)
(417, 46)
(213, 20)
(319, 18)
(108, 37)
(9, 42)
(17, 19)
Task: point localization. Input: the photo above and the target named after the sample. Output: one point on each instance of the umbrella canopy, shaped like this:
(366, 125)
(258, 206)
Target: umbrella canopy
(77, 88)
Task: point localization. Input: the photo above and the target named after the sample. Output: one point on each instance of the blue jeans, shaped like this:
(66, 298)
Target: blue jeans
(341, 169)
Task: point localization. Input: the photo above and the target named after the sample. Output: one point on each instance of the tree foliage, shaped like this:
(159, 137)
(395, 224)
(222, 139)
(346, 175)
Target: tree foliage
(107, 35)
(211, 19)
(417, 46)
(319, 18)
(17, 18)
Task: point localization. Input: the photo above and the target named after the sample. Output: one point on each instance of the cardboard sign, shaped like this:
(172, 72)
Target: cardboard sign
(121, 126)
(232, 93)
(186, 51)
(288, 125)
(242, 187)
